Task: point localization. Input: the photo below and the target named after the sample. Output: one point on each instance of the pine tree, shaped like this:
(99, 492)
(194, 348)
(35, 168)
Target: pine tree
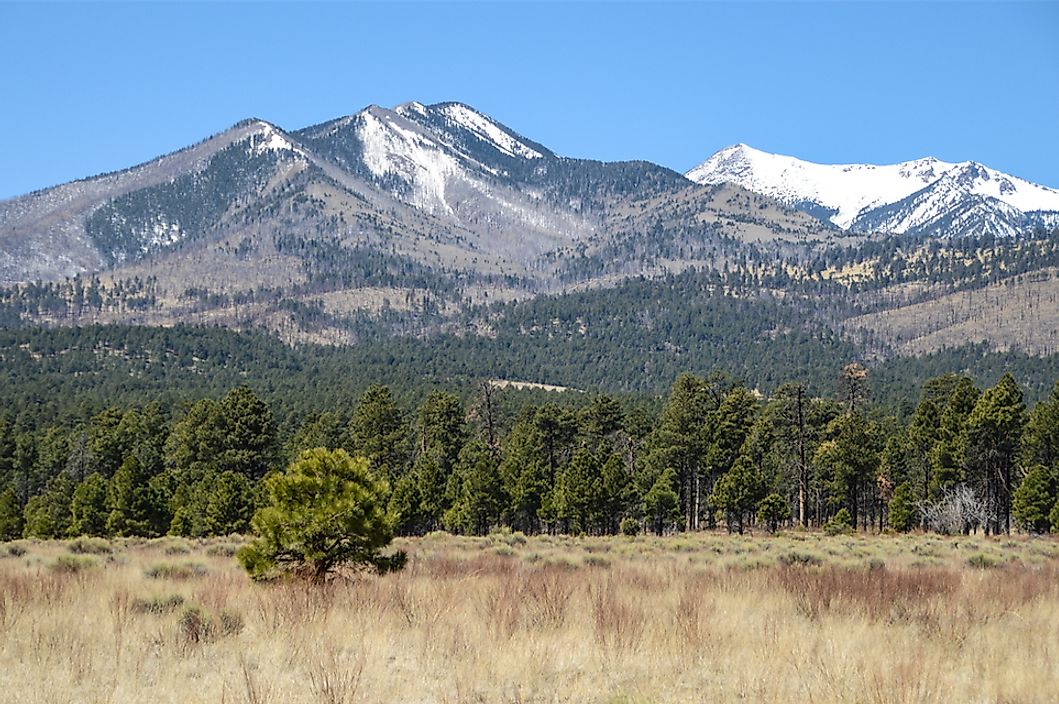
(47, 515)
(1035, 497)
(949, 455)
(994, 433)
(250, 445)
(10, 515)
(736, 494)
(132, 507)
(325, 511)
(574, 499)
(772, 511)
(1040, 444)
(88, 508)
(661, 503)
(377, 432)
(480, 499)
(903, 512)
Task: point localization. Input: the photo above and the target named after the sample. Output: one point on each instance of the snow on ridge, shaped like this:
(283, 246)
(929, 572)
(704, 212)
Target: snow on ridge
(487, 130)
(851, 190)
(1024, 195)
(847, 189)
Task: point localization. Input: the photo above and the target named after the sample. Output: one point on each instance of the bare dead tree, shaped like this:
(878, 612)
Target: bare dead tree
(959, 510)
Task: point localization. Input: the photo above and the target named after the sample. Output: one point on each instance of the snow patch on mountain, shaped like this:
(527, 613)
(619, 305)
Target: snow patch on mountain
(394, 151)
(269, 138)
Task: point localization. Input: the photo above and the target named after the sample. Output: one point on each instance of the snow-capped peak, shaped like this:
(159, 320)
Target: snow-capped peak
(846, 192)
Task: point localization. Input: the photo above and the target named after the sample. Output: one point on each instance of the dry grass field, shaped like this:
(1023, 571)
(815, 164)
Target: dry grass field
(700, 618)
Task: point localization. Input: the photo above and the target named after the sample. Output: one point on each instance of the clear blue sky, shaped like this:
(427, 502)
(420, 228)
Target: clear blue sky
(89, 88)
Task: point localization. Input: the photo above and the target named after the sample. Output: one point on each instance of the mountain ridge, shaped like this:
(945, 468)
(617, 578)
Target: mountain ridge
(866, 197)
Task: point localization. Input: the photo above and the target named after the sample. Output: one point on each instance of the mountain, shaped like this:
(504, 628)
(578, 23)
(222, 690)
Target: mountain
(440, 188)
(922, 197)
(438, 220)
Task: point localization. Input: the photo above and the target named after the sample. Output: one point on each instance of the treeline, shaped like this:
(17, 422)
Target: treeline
(713, 454)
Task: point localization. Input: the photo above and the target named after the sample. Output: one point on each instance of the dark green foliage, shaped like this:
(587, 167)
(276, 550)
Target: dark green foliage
(134, 509)
(377, 432)
(528, 460)
(840, 523)
(903, 513)
(1035, 498)
(89, 508)
(661, 505)
(236, 435)
(479, 500)
(323, 512)
(1040, 444)
(574, 500)
(249, 434)
(630, 527)
(10, 516)
(47, 515)
(217, 504)
(737, 493)
(994, 433)
(848, 460)
(772, 511)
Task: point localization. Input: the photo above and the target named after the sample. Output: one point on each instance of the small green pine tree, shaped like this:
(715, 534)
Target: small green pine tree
(903, 512)
(323, 512)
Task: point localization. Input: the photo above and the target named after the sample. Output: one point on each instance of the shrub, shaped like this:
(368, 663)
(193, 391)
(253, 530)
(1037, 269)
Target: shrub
(630, 527)
(799, 559)
(197, 625)
(157, 604)
(16, 549)
(90, 546)
(72, 564)
(903, 512)
(177, 547)
(222, 550)
(167, 570)
(981, 561)
(840, 524)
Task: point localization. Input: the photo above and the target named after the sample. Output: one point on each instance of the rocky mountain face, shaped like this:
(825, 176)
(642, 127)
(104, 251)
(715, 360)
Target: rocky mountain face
(922, 197)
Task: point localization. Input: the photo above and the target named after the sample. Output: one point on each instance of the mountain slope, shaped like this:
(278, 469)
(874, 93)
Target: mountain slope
(44, 235)
(925, 196)
(442, 185)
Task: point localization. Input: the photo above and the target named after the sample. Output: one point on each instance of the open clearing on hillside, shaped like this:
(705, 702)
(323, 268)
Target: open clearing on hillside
(692, 618)
(1021, 313)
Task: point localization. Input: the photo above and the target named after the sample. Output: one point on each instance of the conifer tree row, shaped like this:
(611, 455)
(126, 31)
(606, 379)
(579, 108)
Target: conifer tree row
(714, 454)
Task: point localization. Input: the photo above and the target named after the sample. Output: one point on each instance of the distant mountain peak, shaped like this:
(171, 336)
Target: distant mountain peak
(857, 196)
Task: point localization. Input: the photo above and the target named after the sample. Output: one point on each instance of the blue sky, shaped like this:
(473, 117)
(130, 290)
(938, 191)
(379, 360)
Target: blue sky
(89, 88)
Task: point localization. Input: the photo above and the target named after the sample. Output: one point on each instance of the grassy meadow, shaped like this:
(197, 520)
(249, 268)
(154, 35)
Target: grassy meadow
(695, 618)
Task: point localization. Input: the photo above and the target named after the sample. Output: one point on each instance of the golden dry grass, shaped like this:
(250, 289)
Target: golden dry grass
(699, 618)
